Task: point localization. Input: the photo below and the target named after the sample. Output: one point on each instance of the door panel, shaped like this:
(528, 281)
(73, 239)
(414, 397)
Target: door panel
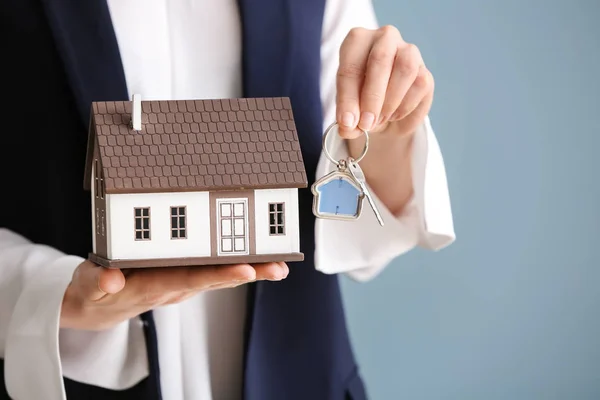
(232, 226)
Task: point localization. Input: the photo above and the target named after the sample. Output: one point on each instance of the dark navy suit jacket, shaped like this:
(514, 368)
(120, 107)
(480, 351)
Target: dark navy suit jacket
(58, 57)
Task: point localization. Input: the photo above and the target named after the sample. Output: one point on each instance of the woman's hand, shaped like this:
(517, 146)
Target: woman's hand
(381, 80)
(100, 298)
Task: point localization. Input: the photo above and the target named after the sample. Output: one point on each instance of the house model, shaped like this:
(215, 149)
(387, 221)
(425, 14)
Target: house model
(196, 182)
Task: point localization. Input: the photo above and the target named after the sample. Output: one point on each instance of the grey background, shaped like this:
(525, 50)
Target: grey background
(511, 310)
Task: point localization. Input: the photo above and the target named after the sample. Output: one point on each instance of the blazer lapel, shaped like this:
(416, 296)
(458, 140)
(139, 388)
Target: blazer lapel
(87, 44)
(266, 63)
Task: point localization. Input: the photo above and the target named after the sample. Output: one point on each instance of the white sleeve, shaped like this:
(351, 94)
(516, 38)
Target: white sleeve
(32, 285)
(362, 248)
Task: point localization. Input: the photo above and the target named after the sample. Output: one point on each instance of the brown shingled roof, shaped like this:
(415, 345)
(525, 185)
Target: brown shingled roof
(195, 145)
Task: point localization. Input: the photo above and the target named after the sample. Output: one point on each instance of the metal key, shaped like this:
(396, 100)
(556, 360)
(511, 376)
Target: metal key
(359, 176)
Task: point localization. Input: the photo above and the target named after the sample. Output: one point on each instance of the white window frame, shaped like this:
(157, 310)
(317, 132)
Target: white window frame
(275, 213)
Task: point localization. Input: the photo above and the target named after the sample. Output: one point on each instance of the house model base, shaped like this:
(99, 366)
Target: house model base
(197, 182)
(195, 261)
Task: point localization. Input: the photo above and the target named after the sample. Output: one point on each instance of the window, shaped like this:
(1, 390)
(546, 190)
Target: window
(178, 223)
(98, 179)
(142, 223)
(102, 226)
(101, 183)
(276, 219)
(98, 221)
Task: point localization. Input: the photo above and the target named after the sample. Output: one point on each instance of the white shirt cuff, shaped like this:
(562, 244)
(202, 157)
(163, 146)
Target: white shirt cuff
(115, 358)
(36, 346)
(32, 360)
(363, 248)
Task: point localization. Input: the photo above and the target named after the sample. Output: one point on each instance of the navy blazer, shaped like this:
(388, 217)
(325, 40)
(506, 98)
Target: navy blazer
(59, 56)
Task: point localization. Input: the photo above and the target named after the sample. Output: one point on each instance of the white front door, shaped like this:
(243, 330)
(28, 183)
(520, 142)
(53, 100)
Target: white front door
(232, 226)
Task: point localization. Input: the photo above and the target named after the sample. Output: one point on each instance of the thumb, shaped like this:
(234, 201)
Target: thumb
(94, 282)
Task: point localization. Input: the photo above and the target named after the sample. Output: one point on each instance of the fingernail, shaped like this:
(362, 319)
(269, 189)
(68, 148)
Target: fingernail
(281, 275)
(348, 119)
(284, 269)
(366, 120)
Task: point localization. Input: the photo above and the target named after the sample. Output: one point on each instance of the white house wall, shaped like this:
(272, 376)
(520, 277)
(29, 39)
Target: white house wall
(273, 244)
(122, 243)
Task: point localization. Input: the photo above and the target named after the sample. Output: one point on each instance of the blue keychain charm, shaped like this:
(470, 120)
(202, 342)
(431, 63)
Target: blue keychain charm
(339, 194)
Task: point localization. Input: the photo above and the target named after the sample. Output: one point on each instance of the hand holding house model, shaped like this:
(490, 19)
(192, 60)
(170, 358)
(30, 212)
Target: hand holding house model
(195, 182)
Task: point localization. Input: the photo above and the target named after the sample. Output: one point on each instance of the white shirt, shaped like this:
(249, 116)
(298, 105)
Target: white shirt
(188, 49)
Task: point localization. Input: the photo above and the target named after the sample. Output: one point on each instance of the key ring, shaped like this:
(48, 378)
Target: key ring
(337, 163)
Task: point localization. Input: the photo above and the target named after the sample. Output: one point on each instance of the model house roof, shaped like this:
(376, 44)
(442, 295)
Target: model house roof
(192, 145)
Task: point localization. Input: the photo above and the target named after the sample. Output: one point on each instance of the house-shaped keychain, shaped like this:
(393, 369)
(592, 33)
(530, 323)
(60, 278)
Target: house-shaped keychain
(197, 182)
(337, 196)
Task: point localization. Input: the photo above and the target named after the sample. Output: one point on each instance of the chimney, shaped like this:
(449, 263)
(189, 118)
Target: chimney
(136, 113)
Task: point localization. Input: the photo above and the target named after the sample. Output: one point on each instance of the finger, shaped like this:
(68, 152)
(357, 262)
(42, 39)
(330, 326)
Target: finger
(266, 271)
(158, 285)
(271, 271)
(406, 70)
(416, 117)
(201, 277)
(354, 52)
(421, 87)
(93, 282)
(377, 77)
(181, 297)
